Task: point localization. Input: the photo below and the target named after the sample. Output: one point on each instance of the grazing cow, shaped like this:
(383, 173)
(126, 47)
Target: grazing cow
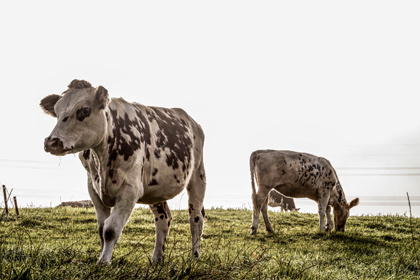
(132, 154)
(277, 199)
(298, 175)
(81, 203)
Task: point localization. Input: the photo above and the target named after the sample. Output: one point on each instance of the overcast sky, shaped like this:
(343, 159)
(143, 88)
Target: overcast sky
(336, 79)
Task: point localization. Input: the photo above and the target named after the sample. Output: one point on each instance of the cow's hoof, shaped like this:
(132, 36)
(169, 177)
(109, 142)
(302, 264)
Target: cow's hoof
(158, 260)
(253, 231)
(103, 263)
(196, 255)
(270, 232)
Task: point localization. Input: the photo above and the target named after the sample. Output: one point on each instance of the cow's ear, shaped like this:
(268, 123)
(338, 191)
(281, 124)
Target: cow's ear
(354, 202)
(102, 97)
(47, 104)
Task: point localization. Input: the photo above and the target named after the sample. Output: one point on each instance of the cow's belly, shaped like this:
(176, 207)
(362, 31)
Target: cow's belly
(158, 193)
(297, 191)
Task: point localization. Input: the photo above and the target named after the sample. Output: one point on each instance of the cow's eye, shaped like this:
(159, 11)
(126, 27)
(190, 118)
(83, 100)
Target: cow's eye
(85, 111)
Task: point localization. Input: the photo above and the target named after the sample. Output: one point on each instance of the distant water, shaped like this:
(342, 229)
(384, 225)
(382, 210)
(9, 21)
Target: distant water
(369, 205)
(385, 205)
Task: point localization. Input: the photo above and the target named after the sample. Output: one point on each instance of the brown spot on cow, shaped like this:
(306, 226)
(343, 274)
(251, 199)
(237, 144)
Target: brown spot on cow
(86, 154)
(153, 182)
(160, 207)
(190, 208)
(157, 153)
(109, 235)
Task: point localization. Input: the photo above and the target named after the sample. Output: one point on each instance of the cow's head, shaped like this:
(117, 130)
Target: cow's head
(81, 119)
(341, 214)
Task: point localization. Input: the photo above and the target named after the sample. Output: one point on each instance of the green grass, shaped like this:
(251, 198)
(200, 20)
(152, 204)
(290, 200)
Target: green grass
(63, 243)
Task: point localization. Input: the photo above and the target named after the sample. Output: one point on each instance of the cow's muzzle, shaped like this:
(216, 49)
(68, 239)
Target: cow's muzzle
(54, 146)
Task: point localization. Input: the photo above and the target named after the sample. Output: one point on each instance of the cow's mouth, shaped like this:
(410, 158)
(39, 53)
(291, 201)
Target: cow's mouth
(339, 229)
(55, 147)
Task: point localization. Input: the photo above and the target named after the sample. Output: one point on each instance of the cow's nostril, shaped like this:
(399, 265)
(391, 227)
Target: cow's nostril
(54, 143)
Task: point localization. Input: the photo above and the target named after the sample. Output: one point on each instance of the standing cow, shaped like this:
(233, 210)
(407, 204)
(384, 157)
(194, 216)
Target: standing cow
(132, 154)
(298, 175)
(277, 199)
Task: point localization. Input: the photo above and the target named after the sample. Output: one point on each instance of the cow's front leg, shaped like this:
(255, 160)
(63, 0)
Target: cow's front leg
(322, 208)
(102, 212)
(329, 221)
(163, 219)
(125, 201)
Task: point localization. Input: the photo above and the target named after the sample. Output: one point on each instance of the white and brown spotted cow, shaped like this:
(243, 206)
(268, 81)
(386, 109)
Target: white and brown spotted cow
(132, 154)
(298, 175)
(276, 199)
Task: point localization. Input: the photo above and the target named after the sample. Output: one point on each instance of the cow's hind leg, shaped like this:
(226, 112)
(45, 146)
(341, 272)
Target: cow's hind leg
(163, 219)
(258, 200)
(196, 190)
(264, 212)
(125, 201)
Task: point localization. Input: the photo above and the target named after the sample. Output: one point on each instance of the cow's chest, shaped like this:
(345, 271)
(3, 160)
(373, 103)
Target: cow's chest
(103, 187)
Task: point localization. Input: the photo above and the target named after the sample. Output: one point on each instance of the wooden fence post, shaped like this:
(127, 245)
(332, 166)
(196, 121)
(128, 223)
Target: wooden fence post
(16, 206)
(5, 199)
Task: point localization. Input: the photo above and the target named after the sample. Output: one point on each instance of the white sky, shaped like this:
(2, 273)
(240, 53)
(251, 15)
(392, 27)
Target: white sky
(336, 79)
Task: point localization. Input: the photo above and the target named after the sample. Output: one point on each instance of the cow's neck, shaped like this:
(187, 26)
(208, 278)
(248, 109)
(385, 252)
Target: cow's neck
(340, 197)
(102, 150)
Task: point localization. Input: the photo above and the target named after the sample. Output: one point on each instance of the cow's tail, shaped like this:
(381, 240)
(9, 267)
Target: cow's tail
(252, 169)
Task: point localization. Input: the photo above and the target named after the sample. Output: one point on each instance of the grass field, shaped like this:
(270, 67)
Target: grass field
(62, 243)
